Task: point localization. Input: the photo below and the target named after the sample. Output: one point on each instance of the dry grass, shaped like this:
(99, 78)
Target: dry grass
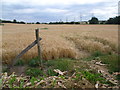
(58, 41)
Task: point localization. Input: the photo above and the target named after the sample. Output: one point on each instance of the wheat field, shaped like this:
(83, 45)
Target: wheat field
(58, 41)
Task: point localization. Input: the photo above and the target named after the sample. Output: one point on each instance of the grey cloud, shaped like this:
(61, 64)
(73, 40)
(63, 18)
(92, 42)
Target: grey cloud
(41, 15)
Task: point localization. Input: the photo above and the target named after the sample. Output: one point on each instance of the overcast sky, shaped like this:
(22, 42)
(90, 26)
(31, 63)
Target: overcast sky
(54, 10)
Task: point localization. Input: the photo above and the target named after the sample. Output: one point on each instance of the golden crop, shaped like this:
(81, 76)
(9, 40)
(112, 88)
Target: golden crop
(58, 41)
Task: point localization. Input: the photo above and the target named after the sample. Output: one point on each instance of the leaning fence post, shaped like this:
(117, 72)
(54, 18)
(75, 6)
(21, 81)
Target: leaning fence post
(38, 45)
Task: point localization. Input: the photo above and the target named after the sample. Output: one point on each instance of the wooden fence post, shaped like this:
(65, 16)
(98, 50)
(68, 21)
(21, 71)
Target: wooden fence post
(28, 48)
(38, 45)
(23, 52)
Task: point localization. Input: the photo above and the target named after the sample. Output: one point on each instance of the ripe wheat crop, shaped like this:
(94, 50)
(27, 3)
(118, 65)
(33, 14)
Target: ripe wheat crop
(58, 41)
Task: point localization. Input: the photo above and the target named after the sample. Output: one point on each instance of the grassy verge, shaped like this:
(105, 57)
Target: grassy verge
(94, 56)
(61, 64)
(69, 65)
(111, 60)
(93, 77)
(34, 68)
(76, 67)
(113, 63)
(34, 72)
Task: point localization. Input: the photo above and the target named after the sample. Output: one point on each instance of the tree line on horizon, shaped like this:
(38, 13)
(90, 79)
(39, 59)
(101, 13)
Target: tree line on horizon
(115, 20)
(14, 21)
(93, 20)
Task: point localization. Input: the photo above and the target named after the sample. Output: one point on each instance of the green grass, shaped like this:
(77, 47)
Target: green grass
(118, 77)
(5, 68)
(94, 56)
(44, 28)
(11, 81)
(34, 62)
(93, 77)
(50, 72)
(112, 61)
(77, 76)
(0, 83)
(97, 54)
(54, 82)
(34, 72)
(32, 80)
(21, 83)
(89, 58)
(61, 64)
(20, 63)
(64, 64)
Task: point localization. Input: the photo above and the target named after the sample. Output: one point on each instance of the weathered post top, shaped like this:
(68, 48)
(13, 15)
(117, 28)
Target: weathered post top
(37, 32)
(37, 29)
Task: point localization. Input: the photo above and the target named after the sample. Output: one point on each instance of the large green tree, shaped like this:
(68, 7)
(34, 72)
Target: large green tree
(94, 20)
(115, 20)
(14, 21)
